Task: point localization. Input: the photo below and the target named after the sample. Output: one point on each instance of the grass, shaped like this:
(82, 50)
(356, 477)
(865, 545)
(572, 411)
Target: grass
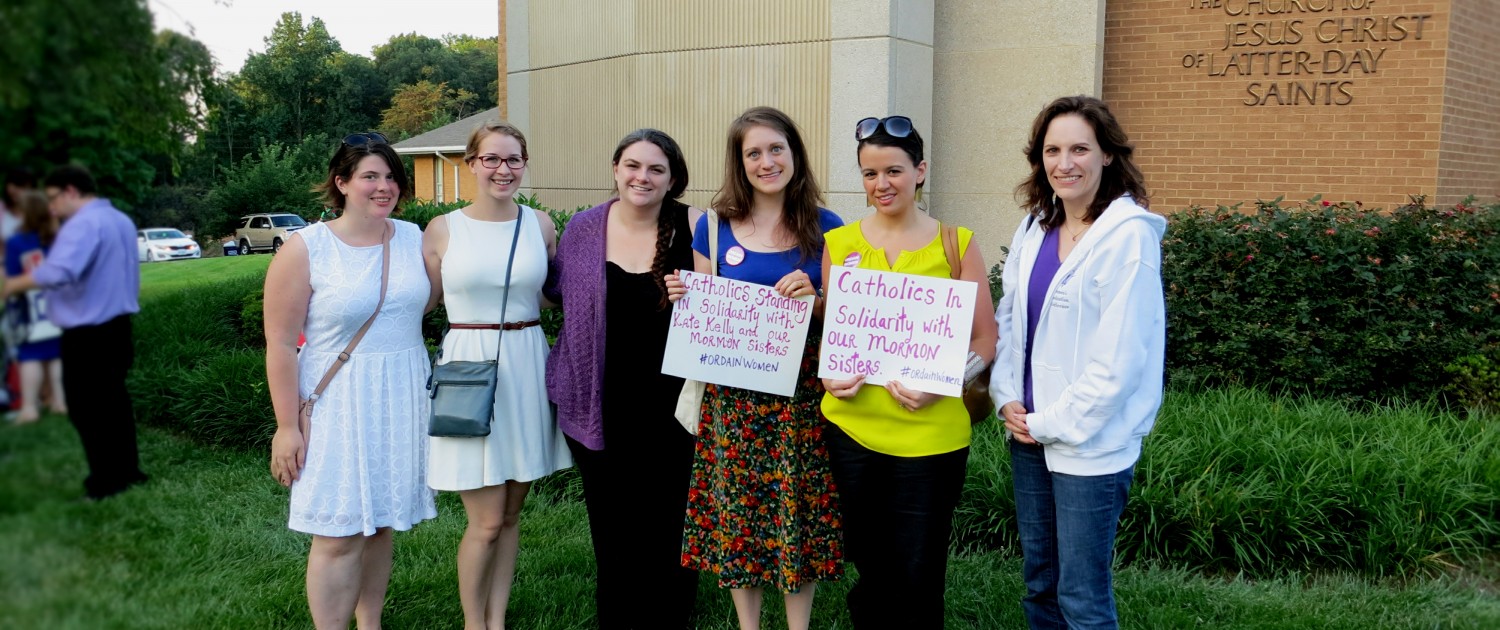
(1238, 480)
(205, 545)
(162, 278)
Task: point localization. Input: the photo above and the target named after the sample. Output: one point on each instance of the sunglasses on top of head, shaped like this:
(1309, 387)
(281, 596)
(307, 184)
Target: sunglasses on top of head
(358, 140)
(894, 126)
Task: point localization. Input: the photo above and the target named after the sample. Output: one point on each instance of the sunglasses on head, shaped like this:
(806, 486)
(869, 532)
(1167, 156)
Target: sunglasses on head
(362, 139)
(894, 126)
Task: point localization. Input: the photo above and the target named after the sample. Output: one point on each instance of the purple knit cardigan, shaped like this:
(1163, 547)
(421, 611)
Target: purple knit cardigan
(575, 368)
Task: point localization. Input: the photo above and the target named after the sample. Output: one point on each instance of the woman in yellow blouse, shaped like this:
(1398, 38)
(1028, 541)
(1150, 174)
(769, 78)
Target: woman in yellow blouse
(899, 455)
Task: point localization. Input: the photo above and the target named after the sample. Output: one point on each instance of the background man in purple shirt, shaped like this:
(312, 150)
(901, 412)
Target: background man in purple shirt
(92, 280)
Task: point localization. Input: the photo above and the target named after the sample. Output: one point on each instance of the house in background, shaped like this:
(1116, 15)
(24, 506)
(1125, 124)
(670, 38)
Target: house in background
(438, 158)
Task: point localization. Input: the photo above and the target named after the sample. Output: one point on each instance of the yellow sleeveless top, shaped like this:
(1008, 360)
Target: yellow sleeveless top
(872, 417)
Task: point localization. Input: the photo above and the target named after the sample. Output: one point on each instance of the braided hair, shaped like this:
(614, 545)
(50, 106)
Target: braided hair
(671, 208)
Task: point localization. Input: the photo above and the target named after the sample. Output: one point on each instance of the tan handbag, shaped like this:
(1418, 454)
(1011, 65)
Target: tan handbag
(690, 401)
(976, 394)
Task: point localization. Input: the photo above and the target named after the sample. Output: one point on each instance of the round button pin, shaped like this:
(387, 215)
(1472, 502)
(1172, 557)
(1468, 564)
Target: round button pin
(852, 260)
(735, 255)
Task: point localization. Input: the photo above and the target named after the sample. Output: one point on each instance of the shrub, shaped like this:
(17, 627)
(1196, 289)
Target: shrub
(1240, 481)
(420, 212)
(1330, 298)
(200, 367)
(1476, 380)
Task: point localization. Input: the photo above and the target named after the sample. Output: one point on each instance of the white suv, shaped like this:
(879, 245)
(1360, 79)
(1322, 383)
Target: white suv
(266, 231)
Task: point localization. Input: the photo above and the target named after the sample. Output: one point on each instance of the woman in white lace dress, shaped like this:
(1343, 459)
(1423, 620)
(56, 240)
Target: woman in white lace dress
(466, 252)
(356, 469)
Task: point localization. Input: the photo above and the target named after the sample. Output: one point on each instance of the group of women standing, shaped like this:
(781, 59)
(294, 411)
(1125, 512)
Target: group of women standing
(775, 492)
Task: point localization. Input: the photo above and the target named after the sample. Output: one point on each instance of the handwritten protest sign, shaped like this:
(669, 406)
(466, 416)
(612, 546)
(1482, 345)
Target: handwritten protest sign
(736, 333)
(897, 327)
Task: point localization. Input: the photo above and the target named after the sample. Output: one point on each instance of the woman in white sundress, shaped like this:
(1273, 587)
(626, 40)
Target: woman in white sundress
(356, 467)
(466, 252)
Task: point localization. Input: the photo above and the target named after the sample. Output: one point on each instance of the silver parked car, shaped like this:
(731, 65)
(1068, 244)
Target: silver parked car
(153, 244)
(266, 231)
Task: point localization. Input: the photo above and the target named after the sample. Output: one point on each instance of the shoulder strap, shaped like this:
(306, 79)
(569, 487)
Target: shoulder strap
(950, 247)
(385, 272)
(713, 241)
(509, 264)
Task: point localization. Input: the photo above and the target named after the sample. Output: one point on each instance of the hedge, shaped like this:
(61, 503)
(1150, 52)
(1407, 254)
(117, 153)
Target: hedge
(1332, 299)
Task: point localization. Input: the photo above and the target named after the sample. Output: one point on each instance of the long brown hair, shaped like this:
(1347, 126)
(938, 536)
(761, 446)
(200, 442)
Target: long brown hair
(1119, 177)
(31, 205)
(799, 209)
(670, 207)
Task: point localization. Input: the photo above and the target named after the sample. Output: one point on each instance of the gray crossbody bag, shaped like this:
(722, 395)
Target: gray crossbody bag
(463, 392)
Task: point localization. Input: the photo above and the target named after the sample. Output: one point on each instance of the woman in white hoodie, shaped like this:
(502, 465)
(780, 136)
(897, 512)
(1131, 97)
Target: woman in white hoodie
(1078, 367)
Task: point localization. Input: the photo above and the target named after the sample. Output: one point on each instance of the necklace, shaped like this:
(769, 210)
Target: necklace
(1079, 233)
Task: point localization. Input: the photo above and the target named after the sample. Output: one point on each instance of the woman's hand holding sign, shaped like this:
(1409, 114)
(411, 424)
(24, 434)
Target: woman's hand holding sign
(795, 284)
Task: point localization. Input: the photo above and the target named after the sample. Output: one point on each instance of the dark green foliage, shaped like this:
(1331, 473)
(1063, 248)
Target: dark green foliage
(1330, 298)
(420, 212)
(253, 319)
(278, 179)
(184, 207)
(1239, 481)
(88, 81)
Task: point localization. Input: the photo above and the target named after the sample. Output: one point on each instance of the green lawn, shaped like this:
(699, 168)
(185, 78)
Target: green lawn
(164, 277)
(205, 545)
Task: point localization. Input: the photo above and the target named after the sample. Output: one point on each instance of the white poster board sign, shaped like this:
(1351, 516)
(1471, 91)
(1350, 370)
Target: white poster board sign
(736, 333)
(897, 327)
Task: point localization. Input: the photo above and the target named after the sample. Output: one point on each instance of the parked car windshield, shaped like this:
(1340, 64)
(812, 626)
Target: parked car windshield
(288, 220)
(157, 235)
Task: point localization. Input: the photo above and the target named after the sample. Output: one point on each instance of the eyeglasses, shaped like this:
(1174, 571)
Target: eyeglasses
(362, 139)
(895, 126)
(515, 162)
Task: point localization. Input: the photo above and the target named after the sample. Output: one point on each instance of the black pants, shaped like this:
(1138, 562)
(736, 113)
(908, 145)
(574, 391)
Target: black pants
(95, 361)
(636, 493)
(898, 517)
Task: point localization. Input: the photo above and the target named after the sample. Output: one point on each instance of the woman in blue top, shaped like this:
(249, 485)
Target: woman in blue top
(761, 509)
(40, 342)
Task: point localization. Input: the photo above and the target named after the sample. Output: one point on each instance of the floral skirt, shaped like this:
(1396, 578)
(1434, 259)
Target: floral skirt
(762, 509)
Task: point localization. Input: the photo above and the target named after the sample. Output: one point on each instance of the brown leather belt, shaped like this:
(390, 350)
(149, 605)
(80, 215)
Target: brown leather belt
(505, 326)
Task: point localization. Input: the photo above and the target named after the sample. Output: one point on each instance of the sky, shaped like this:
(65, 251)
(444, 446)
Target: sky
(232, 29)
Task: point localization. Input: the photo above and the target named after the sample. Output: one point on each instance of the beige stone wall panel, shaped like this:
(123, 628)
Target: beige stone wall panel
(995, 64)
(692, 95)
(577, 31)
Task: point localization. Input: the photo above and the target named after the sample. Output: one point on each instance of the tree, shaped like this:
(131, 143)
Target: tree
(463, 62)
(424, 106)
(86, 81)
(278, 178)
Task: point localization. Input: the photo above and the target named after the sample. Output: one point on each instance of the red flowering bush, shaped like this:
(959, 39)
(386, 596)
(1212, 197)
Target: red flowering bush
(1331, 298)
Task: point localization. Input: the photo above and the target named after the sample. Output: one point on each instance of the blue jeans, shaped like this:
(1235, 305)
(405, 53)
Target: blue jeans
(898, 518)
(1067, 525)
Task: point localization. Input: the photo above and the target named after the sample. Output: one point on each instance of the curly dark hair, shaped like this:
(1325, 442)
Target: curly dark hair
(1120, 176)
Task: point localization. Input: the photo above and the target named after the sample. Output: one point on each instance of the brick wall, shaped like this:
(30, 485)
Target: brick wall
(1469, 154)
(1180, 88)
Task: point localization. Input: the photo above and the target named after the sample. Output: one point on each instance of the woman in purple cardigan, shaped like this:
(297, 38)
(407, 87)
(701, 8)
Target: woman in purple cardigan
(604, 375)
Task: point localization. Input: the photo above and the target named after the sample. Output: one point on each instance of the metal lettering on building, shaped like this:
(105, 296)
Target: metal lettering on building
(1302, 52)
